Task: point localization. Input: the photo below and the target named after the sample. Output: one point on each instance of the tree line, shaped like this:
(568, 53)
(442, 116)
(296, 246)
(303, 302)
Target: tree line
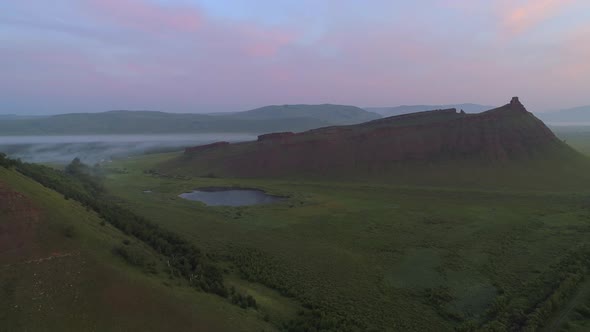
(80, 182)
(539, 299)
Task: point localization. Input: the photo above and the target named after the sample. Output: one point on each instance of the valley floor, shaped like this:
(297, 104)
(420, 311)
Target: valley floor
(385, 257)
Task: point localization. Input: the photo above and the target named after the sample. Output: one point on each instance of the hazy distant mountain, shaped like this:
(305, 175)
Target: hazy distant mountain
(406, 109)
(570, 116)
(271, 118)
(18, 117)
(8, 116)
(340, 114)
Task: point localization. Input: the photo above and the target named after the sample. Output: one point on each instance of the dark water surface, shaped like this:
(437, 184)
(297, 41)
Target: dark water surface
(231, 197)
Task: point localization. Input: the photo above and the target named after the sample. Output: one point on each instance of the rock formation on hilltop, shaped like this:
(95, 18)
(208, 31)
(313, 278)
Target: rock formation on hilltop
(506, 133)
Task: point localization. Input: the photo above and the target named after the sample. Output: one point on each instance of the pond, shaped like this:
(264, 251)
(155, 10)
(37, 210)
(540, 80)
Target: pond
(231, 196)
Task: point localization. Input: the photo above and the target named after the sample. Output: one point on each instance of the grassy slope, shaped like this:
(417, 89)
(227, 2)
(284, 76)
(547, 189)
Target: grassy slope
(85, 287)
(374, 250)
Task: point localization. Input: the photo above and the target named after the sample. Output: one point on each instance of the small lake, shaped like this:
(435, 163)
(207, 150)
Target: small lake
(231, 197)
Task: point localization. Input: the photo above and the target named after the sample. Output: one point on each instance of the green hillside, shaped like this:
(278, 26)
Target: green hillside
(59, 270)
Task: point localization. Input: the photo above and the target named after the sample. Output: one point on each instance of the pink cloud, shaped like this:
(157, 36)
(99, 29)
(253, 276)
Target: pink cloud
(147, 16)
(264, 42)
(189, 24)
(574, 53)
(175, 57)
(463, 5)
(519, 18)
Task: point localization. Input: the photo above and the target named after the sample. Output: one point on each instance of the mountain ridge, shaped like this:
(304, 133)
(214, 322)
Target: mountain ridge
(296, 117)
(407, 109)
(379, 147)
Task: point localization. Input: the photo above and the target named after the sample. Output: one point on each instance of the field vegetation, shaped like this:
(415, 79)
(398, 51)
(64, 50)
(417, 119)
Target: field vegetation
(351, 255)
(368, 255)
(576, 136)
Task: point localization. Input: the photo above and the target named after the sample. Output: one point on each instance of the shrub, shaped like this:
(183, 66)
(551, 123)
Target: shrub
(131, 255)
(69, 231)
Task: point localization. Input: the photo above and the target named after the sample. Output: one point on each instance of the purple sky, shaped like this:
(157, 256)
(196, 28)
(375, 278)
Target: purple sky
(59, 56)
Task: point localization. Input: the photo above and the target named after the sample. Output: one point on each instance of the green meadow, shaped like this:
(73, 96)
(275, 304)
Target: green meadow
(368, 255)
(576, 136)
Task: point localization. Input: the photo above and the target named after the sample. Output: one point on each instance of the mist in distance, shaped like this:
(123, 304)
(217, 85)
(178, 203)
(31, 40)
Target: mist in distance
(100, 148)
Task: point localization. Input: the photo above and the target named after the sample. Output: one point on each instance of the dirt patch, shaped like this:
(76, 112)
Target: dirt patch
(53, 256)
(18, 220)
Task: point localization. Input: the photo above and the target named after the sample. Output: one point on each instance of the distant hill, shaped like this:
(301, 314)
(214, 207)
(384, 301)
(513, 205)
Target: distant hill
(440, 142)
(271, 118)
(328, 113)
(18, 117)
(407, 109)
(572, 116)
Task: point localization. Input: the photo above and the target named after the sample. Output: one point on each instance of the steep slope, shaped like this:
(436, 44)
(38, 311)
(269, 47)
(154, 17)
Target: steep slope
(385, 147)
(272, 118)
(407, 109)
(58, 272)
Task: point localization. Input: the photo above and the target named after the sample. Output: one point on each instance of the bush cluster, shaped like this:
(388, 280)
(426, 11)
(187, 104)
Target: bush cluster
(538, 300)
(79, 182)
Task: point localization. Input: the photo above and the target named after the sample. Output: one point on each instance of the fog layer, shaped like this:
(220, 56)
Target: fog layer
(97, 148)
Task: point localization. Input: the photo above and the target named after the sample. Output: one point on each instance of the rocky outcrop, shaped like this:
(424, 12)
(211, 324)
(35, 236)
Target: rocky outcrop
(499, 135)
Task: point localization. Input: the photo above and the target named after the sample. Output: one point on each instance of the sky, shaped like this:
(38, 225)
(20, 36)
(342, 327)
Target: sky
(63, 56)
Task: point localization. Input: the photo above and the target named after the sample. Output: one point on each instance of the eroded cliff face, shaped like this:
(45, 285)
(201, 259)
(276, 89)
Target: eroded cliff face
(502, 134)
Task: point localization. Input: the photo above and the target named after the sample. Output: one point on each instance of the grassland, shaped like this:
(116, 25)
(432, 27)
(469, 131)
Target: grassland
(58, 272)
(576, 136)
(385, 256)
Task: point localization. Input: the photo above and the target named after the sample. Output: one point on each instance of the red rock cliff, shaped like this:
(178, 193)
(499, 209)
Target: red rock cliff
(508, 132)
